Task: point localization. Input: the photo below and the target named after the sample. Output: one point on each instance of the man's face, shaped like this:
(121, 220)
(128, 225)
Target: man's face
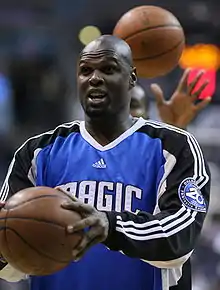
(138, 105)
(103, 83)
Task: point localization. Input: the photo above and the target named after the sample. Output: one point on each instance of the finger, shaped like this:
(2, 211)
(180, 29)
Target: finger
(201, 105)
(62, 190)
(80, 254)
(2, 204)
(158, 94)
(78, 207)
(82, 224)
(92, 237)
(193, 84)
(196, 94)
(66, 193)
(182, 86)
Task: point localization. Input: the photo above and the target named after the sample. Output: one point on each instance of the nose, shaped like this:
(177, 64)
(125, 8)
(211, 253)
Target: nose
(96, 79)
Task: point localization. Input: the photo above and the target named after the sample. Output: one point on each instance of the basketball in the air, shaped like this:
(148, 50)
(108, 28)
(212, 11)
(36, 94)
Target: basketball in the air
(156, 38)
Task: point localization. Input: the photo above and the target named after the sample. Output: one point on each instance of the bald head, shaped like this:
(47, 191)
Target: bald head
(105, 75)
(109, 44)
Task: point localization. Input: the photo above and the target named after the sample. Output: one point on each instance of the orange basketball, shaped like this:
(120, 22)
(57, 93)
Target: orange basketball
(155, 37)
(33, 237)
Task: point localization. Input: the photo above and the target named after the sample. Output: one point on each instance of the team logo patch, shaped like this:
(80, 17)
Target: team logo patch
(191, 196)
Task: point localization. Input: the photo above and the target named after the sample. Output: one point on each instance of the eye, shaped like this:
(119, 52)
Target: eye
(85, 70)
(109, 69)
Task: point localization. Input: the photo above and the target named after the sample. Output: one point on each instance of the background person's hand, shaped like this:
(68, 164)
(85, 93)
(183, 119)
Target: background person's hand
(182, 107)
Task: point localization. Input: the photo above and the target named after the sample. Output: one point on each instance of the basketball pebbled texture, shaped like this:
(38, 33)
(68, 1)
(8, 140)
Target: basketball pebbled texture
(156, 38)
(33, 237)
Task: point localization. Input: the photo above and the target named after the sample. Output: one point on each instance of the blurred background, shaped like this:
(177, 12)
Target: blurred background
(39, 44)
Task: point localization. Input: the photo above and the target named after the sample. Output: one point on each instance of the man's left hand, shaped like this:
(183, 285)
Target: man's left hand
(94, 222)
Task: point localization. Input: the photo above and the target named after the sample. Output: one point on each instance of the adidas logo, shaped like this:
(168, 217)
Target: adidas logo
(99, 164)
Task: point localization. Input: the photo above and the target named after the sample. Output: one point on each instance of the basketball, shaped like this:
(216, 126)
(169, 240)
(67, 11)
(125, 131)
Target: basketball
(156, 39)
(33, 236)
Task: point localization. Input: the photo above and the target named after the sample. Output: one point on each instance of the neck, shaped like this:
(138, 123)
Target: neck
(107, 130)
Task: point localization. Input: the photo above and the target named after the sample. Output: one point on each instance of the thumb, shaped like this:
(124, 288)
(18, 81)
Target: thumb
(158, 94)
(2, 204)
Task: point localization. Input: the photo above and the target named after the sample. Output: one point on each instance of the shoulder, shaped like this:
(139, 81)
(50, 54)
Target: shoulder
(44, 139)
(173, 139)
(165, 132)
(180, 146)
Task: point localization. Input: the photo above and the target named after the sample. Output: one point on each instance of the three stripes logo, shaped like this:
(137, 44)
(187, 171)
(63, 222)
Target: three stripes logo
(99, 164)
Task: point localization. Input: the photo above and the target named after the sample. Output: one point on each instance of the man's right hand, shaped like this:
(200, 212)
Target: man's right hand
(2, 204)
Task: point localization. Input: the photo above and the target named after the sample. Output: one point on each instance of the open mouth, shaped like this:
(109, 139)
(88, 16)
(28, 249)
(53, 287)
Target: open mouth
(97, 97)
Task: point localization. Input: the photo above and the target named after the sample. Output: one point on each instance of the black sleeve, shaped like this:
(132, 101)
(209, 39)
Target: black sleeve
(22, 170)
(19, 175)
(167, 237)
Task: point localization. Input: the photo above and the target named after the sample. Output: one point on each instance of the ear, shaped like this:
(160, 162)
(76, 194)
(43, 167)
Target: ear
(133, 78)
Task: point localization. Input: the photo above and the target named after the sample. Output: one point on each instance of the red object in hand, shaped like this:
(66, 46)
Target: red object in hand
(209, 74)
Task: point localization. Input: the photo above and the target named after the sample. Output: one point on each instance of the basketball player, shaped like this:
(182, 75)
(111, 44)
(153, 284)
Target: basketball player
(180, 109)
(141, 187)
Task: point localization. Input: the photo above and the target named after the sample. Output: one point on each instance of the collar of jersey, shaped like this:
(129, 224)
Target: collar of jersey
(86, 136)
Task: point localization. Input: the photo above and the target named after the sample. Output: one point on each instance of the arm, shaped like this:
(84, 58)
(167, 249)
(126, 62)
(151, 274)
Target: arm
(167, 237)
(19, 174)
(24, 171)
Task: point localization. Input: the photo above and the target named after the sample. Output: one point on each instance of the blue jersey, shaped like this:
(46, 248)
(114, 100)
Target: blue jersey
(153, 183)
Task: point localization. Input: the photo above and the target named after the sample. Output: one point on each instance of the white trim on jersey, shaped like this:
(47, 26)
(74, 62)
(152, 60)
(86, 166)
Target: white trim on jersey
(168, 167)
(200, 174)
(5, 187)
(86, 136)
(10, 274)
(32, 173)
(171, 271)
(171, 264)
(182, 218)
(130, 224)
(164, 231)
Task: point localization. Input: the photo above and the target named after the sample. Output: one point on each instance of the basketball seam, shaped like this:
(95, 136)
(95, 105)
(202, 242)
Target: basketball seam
(159, 54)
(151, 28)
(33, 219)
(32, 247)
(33, 198)
(6, 238)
